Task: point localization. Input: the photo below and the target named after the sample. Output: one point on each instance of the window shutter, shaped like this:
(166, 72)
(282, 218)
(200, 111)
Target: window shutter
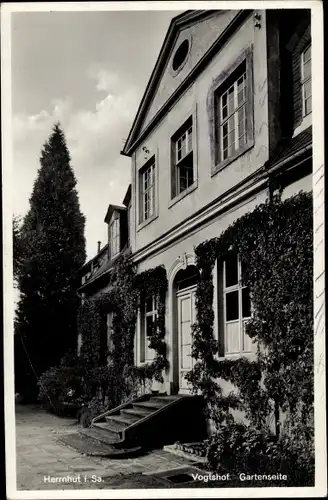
(123, 229)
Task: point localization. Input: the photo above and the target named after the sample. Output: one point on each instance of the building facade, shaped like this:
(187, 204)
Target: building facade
(225, 122)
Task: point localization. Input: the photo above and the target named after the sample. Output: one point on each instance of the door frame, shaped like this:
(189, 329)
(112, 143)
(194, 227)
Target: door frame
(188, 292)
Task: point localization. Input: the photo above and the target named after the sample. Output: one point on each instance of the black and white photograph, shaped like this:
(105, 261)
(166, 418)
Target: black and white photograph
(164, 279)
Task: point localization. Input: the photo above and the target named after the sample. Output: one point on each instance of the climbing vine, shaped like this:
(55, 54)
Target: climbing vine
(127, 292)
(154, 283)
(274, 243)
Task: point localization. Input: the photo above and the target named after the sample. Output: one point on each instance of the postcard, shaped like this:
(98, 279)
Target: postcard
(163, 200)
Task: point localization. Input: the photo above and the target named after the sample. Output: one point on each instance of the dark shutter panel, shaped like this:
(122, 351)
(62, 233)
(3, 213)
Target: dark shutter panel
(123, 230)
(286, 95)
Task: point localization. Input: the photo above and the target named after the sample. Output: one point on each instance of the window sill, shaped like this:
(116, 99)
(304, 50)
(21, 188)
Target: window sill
(184, 193)
(223, 164)
(144, 363)
(146, 222)
(305, 123)
(236, 355)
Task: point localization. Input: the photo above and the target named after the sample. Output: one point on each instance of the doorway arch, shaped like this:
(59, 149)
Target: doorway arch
(182, 282)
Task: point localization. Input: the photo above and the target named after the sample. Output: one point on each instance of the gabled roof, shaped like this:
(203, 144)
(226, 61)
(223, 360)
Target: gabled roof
(88, 262)
(104, 270)
(101, 271)
(177, 23)
(112, 209)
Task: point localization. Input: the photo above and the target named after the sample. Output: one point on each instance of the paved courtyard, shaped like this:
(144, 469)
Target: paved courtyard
(40, 457)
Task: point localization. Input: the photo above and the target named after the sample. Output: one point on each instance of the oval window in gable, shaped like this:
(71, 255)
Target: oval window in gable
(180, 55)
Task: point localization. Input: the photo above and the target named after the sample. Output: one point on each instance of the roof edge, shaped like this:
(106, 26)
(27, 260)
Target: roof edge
(131, 143)
(93, 258)
(176, 23)
(111, 209)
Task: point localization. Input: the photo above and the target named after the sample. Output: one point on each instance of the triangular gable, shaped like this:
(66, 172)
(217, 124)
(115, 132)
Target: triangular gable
(200, 36)
(201, 28)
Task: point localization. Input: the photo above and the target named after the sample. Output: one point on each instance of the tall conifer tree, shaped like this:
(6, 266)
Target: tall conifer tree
(54, 250)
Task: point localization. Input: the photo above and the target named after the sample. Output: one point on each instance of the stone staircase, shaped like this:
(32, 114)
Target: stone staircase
(150, 421)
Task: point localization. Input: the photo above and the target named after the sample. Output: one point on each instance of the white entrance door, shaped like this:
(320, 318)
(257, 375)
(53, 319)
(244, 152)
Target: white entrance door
(186, 317)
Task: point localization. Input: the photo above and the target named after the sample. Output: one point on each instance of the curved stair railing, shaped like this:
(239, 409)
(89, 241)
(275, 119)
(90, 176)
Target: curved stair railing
(154, 413)
(143, 397)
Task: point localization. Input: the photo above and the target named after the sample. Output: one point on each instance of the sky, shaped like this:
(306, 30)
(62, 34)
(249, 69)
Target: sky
(87, 70)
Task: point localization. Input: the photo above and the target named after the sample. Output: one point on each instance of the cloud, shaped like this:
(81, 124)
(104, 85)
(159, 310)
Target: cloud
(94, 138)
(106, 81)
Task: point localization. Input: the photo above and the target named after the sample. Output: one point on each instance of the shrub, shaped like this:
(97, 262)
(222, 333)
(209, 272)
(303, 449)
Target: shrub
(87, 412)
(113, 389)
(61, 386)
(295, 447)
(240, 448)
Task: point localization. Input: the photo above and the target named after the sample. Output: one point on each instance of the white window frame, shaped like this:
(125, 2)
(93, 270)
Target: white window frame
(239, 287)
(114, 232)
(147, 354)
(148, 189)
(185, 135)
(305, 80)
(233, 115)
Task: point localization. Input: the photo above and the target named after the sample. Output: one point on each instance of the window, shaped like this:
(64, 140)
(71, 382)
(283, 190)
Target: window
(147, 191)
(182, 159)
(306, 80)
(236, 308)
(114, 232)
(232, 113)
(148, 324)
(180, 55)
(230, 108)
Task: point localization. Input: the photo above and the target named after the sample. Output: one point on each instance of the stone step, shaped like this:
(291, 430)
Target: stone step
(112, 430)
(137, 413)
(85, 442)
(164, 400)
(108, 438)
(149, 405)
(126, 420)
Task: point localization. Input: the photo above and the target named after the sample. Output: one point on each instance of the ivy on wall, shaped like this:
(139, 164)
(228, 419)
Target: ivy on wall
(275, 246)
(274, 243)
(154, 283)
(115, 370)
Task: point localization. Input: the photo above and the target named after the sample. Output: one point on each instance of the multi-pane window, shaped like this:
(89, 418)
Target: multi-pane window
(148, 325)
(306, 80)
(237, 308)
(147, 179)
(183, 164)
(114, 229)
(232, 117)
